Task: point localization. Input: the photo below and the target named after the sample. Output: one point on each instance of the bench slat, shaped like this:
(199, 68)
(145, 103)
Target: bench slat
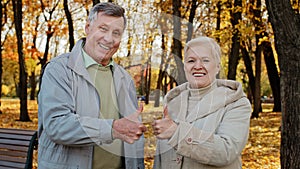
(12, 159)
(8, 164)
(15, 137)
(13, 153)
(17, 131)
(14, 142)
(17, 148)
(6, 167)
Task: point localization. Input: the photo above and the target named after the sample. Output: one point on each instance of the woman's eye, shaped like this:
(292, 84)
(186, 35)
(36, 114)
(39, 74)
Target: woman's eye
(190, 61)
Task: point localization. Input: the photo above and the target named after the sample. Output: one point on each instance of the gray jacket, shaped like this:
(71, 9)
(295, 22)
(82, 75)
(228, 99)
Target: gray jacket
(69, 107)
(212, 135)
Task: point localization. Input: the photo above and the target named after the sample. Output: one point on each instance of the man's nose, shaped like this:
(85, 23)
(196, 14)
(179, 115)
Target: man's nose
(108, 37)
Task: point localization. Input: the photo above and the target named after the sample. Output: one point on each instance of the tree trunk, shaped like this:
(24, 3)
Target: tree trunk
(160, 73)
(70, 25)
(273, 75)
(166, 76)
(191, 19)
(147, 92)
(32, 83)
(286, 27)
(218, 27)
(177, 46)
(256, 96)
(249, 70)
(148, 73)
(147, 82)
(257, 20)
(17, 7)
(234, 52)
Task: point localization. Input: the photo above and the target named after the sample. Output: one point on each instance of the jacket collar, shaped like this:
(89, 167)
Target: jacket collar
(75, 61)
(227, 91)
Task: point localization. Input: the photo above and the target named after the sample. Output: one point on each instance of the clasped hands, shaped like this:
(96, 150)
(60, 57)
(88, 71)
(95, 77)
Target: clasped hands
(130, 129)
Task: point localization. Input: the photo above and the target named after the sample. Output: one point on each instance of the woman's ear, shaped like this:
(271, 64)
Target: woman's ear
(86, 28)
(218, 68)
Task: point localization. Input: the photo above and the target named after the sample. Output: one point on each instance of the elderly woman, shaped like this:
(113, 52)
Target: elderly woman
(206, 120)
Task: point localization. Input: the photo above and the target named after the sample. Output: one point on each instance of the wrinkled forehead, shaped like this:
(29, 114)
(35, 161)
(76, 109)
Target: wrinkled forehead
(198, 50)
(205, 44)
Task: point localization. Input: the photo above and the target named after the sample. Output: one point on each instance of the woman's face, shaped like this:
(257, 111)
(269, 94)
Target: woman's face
(200, 66)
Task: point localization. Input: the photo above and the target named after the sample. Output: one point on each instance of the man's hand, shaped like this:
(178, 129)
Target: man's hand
(129, 129)
(164, 128)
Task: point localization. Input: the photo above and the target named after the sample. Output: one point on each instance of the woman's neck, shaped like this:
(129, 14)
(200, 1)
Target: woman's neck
(199, 92)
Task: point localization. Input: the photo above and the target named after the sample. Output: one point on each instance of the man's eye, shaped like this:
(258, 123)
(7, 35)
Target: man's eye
(116, 33)
(190, 61)
(206, 60)
(103, 29)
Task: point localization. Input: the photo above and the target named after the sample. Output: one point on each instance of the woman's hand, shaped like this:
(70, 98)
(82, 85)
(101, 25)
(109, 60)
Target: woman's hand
(164, 128)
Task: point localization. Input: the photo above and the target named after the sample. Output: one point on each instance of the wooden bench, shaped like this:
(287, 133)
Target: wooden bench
(16, 148)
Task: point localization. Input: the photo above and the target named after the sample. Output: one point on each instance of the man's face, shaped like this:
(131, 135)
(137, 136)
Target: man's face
(200, 66)
(103, 37)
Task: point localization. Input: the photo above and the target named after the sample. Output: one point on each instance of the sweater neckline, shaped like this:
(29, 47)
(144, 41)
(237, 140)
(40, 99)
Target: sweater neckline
(200, 92)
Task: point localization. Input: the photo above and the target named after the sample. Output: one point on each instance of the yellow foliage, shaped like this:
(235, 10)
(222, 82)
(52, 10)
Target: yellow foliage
(5, 89)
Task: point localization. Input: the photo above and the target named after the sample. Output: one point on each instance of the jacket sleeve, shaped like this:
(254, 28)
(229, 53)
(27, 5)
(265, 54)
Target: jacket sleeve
(58, 118)
(220, 147)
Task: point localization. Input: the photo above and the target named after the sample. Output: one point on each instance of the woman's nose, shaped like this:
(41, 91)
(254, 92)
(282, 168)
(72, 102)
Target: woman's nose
(198, 65)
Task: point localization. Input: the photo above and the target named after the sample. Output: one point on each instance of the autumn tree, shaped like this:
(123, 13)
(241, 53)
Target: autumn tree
(160, 72)
(70, 24)
(273, 74)
(286, 25)
(177, 42)
(48, 10)
(22, 87)
(33, 53)
(249, 70)
(30, 37)
(255, 9)
(236, 16)
(192, 12)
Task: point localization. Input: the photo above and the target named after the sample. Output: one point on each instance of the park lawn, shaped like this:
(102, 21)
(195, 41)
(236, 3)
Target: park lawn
(261, 152)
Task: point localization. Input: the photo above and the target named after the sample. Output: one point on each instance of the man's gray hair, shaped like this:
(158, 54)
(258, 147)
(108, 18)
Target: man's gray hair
(109, 9)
